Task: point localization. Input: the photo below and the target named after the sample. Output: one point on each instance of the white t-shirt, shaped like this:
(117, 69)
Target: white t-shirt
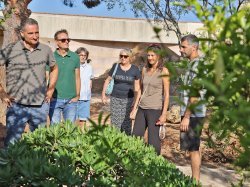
(86, 74)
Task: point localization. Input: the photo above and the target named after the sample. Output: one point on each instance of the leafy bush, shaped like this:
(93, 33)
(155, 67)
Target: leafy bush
(227, 73)
(102, 156)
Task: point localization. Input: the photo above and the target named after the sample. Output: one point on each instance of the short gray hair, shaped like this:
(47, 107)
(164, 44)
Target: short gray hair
(127, 51)
(28, 21)
(191, 39)
(82, 49)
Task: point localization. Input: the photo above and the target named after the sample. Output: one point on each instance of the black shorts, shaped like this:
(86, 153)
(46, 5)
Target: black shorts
(190, 140)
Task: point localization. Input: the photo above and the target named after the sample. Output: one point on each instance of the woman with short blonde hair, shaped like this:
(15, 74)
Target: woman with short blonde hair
(124, 94)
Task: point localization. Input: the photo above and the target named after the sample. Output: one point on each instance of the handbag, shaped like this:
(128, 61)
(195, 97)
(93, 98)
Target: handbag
(110, 86)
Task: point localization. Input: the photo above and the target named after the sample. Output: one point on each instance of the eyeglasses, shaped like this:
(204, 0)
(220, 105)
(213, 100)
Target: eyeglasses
(63, 40)
(124, 56)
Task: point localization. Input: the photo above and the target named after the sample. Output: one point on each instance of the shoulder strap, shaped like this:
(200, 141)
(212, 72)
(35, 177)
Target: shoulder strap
(114, 72)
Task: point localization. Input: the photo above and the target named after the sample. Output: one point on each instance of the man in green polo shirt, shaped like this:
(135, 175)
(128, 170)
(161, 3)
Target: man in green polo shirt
(67, 91)
(27, 95)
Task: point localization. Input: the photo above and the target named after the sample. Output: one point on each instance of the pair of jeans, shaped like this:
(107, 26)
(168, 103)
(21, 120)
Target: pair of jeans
(62, 108)
(18, 115)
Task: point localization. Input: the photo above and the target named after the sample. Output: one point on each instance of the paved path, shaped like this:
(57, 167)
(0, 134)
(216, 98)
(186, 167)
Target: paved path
(215, 177)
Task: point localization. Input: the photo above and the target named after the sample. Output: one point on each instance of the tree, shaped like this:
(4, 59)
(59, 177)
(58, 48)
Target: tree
(14, 12)
(167, 12)
(227, 73)
(159, 10)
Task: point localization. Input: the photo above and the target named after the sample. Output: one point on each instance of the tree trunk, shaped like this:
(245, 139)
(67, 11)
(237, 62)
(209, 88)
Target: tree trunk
(14, 12)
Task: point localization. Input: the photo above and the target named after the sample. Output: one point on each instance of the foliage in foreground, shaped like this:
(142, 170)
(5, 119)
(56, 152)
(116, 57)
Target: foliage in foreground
(102, 156)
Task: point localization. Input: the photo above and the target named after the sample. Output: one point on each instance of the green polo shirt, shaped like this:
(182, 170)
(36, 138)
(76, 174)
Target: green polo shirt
(66, 82)
(25, 72)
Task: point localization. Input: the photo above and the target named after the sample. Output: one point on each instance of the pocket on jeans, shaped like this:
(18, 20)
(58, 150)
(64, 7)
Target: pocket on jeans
(52, 99)
(46, 107)
(12, 107)
(8, 108)
(72, 103)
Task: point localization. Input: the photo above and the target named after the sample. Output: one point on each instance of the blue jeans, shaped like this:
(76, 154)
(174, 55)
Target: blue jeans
(62, 107)
(18, 115)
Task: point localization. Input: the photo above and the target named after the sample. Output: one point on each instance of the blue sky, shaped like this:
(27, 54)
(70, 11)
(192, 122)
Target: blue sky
(56, 6)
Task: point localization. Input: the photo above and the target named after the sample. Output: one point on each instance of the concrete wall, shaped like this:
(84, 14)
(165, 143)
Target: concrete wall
(104, 37)
(106, 28)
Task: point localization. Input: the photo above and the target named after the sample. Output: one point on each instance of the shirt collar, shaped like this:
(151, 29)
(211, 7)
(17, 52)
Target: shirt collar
(21, 45)
(68, 53)
(83, 65)
(195, 59)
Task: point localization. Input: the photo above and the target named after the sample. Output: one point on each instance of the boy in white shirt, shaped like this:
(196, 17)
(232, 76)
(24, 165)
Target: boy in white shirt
(86, 75)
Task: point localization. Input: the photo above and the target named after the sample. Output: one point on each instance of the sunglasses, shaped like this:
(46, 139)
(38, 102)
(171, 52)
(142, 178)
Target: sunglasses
(124, 56)
(63, 40)
(156, 46)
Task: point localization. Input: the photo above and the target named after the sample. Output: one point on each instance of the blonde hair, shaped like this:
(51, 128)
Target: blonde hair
(127, 51)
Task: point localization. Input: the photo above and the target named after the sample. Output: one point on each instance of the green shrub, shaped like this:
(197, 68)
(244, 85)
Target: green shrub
(101, 156)
(227, 73)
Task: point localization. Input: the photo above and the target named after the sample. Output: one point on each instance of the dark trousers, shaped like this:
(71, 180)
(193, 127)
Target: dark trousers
(146, 118)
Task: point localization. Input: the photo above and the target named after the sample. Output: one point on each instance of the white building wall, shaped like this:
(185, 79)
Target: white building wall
(106, 28)
(104, 37)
